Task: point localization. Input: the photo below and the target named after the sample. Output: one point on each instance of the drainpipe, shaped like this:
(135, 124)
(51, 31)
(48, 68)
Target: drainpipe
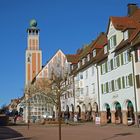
(135, 95)
(73, 92)
(98, 88)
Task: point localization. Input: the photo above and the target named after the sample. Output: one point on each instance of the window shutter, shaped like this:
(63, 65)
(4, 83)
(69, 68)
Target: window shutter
(108, 44)
(102, 88)
(123, 82)
(122, 59)
(118, 61)
(105, 66)
(129, 56)
(107, 48)
(111, 62)
(119, 83)
(114, 40)
(101, 70)
(112, 84)
(136, 55)
(138, 81)
(130, 80)
(107, 87)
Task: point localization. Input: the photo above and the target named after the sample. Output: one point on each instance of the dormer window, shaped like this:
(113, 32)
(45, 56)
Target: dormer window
(94, 53)
(125, 35)
(112, 41)
(105, 49)
(88, 57)
(83, 61)
(78, 64)
(71, 67)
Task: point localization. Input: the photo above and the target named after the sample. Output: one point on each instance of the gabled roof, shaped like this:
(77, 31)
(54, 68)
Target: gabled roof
(122, 23)
(127, 22)
(46, 65)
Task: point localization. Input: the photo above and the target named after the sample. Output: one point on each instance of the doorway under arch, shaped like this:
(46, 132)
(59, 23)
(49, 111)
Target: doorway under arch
(118, 113)
(130, 110)
(108, 113)
(72, 111)
(89, 112)
(78, 112)
(95, 109)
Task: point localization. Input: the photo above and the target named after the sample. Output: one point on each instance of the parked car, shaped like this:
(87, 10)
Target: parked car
(47, 116)
(130, 121)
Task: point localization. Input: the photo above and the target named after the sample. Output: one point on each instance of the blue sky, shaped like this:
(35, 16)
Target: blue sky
(64, 24)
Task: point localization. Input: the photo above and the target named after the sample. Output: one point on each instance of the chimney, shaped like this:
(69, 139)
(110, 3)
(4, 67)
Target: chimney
(132, 8)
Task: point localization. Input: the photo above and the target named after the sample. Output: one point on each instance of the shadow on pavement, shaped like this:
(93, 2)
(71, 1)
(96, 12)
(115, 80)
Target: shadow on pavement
(117, 135)
(10, 134)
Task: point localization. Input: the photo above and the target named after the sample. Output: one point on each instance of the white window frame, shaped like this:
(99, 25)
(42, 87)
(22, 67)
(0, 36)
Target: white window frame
(71, 67)
(81, 91)
(138, 54)
(109, 86)
(125, 57)
(83, 61)
(103, 68)
(86, 73)
(126, 81)
(81, 75)
(108, 66)
(116, 85)
(104, 88)
(93, 88)
(92, 70)
(115, 63)
(111, 41)
(125, 35)
(94, 53)
(88, 57)
(77, 77)
(87, 90)
(105, 49)
(78, 65)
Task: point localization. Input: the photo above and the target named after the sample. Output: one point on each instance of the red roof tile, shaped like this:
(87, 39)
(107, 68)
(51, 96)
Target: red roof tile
(73, 58)
(122, 23)
(99, 42)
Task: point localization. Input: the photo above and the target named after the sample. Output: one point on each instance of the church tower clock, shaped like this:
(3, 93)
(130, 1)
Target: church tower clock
(33, 60)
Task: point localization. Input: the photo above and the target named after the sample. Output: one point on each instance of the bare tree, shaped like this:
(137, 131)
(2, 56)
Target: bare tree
(52, 89)
(3, 109)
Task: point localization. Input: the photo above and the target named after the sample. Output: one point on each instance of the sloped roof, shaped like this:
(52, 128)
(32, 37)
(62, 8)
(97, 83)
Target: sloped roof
(73, 58)
(122, 23)
(84, 52)
(99, 42)
(101, 56)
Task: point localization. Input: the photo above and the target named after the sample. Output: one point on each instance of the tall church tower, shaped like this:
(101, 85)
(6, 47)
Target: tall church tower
(33, 60)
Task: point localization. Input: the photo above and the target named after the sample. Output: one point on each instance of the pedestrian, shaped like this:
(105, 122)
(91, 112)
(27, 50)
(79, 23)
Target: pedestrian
(15, 117)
